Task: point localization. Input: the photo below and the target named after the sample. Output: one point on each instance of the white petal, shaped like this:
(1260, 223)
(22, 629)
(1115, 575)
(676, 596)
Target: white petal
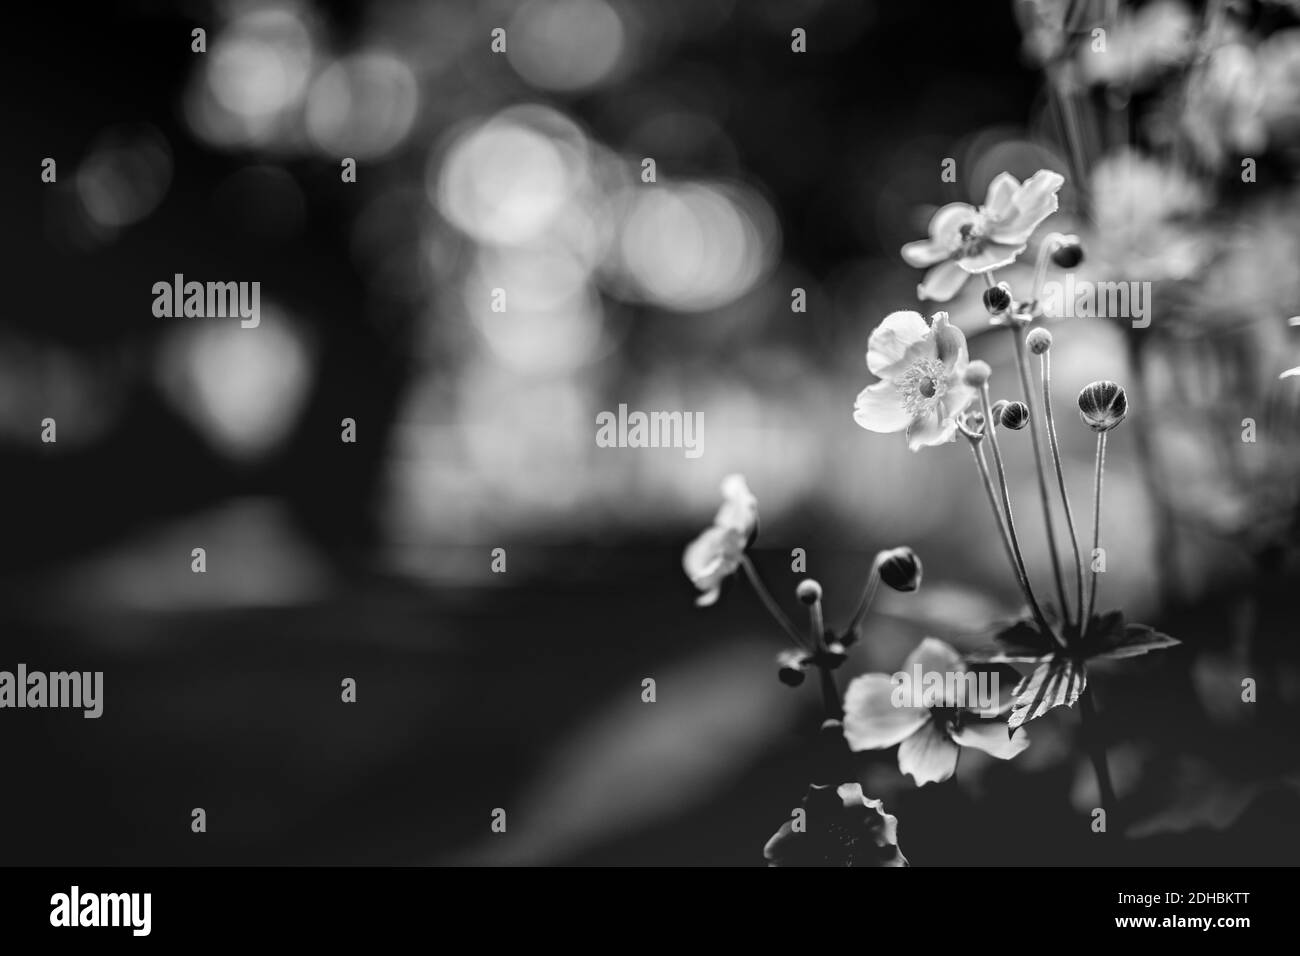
(1035, 200)
(935, 657)
(994, 255)
(998, 200)
(958, 397)
(925, 252)
(928, 755)
(945, 225)
(894, 341)
(942, 282)
(739, 508)
(871, 721)
(930, 430)
(949, 341)
(991, 737)
(708, 598)
(879, 408)
(712, 556)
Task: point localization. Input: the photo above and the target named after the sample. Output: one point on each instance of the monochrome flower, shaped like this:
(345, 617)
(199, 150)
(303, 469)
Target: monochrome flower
(922, 388)
(840, 826)
(966, 240)
(930, 736)
(717, 552)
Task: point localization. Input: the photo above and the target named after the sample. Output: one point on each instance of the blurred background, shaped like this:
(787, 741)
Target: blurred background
(522, 170)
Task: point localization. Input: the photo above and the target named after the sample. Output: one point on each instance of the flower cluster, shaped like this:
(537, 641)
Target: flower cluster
(932, 391)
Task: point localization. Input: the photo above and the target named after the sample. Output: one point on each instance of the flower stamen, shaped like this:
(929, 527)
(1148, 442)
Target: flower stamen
(922, 385)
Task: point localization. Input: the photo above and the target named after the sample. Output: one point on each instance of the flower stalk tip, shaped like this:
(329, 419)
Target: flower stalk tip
(1014, 415)
(900, 568)
(1038, 341)
(1102, 405)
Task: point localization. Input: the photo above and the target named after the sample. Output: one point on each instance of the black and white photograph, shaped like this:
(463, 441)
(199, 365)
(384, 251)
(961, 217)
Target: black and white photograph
(643, 434)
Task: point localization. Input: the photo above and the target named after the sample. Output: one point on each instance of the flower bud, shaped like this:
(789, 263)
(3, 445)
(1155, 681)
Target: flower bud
(900, 568)
(1102, 405)
(997, 298)
(977, 373)
(809, 591)
(792, 665)
(1068, 252)
(1014, 415)
(1038, 341)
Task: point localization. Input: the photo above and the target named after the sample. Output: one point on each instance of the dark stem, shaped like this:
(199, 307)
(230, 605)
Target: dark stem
(1097, 754)
(765, 596)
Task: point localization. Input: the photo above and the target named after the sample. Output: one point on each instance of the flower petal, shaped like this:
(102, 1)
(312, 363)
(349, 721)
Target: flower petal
(934, 656)
(949, 341)
(710, 558)
(957, 399)
(928, 755)
(894, 342)
(942, 282)
(1035, 200)
(739, 508)
(708, 598)
(994, 255)
(925, 252)
(945, 225)
(929, 430)
(998, 202)
(879, 408)
(991, 737)
(871, 721)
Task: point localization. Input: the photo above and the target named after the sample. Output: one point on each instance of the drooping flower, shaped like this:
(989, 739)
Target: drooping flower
(921, 370)
(839, 827)
(930, 736)
(717, 552)
(966, 240)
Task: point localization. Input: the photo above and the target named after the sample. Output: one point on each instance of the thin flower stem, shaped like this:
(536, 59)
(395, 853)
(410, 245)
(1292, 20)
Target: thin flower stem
(817, 639)
(982, 464)
(1097, 754)
(769, 602)
(1096, 530)
(991, 431)
(868, 595)
(816, 626)
(1045, 368)
(1045, 250)
(1040, 468)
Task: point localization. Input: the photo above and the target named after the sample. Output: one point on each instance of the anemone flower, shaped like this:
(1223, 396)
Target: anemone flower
(966, 240)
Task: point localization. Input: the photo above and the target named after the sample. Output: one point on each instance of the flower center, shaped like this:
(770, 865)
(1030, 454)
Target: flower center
(922, 385)
(972, 243)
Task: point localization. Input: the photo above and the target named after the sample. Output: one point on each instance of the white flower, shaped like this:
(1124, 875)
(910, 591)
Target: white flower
(966, 240)
(930, 737)
(921, 371)
(716, 554)
(739, 508)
